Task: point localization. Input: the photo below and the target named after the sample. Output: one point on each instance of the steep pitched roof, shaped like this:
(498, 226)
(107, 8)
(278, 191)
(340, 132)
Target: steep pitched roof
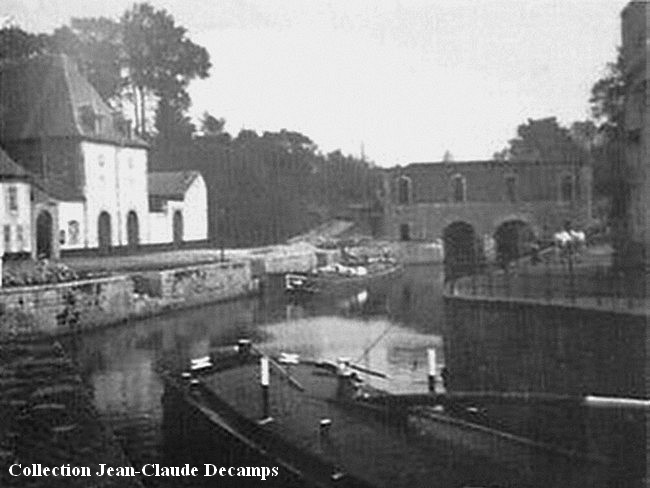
(171, 185)
(10, 170)
(46, 96)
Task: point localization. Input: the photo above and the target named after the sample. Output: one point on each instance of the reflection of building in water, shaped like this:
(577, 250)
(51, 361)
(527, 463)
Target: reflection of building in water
(505, 347)
(416, 298)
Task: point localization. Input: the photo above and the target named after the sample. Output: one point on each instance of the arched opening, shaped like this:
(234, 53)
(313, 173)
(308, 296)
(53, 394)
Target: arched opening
(177, 226)
(104, 232)
(132, 230)
(463, 250)
(44, 235)
(404, 190)
(405, 232)
(514, 238)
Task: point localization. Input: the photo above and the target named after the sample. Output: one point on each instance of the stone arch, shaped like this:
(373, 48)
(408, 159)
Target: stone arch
(104, 232)
(513, 238)
(132, 230)
(463, 248)
(177, 227)
(44, 234)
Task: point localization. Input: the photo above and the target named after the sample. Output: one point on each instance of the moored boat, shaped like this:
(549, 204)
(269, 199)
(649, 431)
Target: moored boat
(340, 276)
(319, 421)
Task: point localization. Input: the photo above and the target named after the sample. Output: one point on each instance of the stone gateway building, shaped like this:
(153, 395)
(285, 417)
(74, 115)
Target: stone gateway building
(481, 208)
(56, 127)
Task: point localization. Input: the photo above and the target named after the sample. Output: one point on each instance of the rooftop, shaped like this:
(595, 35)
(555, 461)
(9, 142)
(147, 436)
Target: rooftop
(171, 184)
(46, 96)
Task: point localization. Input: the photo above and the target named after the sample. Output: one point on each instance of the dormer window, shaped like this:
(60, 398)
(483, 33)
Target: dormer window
(88, 118)
(12, 197)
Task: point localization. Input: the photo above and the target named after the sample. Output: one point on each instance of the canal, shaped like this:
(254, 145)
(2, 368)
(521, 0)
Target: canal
(387, 327)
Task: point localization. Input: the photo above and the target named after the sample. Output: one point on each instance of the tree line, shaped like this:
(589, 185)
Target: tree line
(266, 187)
(262, 188)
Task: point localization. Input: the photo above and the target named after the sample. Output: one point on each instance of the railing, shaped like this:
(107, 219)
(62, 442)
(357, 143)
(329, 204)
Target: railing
(572, 280)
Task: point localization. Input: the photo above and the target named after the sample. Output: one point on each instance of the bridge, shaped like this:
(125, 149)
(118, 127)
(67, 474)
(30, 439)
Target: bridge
(485, 210)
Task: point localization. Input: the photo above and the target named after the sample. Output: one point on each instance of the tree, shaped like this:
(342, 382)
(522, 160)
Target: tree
(96, 46)
(607, 108)
(212, 126)
(16, 44)
(161, 60)
(544, 140)
(607, 97)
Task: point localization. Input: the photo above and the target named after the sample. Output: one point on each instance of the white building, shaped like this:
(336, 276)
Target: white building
(178, 203)
(56, 126)
(15, 207)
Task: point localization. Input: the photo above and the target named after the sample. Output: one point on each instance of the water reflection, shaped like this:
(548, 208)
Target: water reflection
(387, 327)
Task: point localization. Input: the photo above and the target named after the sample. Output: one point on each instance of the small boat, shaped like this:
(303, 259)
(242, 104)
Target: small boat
(320, 422)
(339, 275)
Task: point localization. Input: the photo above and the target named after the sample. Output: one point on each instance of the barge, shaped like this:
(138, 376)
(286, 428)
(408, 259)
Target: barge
(323, 426)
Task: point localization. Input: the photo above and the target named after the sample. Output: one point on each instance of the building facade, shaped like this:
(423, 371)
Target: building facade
(56, 126)
(479, 203)
(178, 201)
(633, 248)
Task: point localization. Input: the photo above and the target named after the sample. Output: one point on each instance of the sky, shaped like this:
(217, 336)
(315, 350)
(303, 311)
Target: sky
(400, 80)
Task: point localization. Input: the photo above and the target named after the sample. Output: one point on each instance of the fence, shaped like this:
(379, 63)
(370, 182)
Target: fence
(569, 281)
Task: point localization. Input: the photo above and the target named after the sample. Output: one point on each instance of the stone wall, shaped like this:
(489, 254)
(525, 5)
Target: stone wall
(287, 259)
(71, 307)
(191, 285)
(65, 307)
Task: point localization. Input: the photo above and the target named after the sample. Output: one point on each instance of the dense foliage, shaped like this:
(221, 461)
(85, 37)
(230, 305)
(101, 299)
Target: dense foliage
(261, 188)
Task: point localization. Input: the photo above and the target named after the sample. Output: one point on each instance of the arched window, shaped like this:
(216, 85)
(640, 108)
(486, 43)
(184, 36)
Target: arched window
(566, 188)
(404, 190)
(511, 188)
(132, 230)
(458, 188)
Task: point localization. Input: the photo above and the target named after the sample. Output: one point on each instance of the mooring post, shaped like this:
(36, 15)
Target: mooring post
(264, 382)
(431, 355)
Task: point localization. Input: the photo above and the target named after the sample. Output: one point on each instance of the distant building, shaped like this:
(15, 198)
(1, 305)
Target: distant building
(178, 206)
(56, 126)
(475, 207)
(15, 207)
(633, 247)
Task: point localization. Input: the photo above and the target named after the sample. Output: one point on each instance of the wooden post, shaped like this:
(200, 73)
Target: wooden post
(264, 382)
(433, 369)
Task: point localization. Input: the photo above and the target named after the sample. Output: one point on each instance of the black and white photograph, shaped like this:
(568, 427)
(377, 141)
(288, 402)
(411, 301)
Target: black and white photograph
(324, 243)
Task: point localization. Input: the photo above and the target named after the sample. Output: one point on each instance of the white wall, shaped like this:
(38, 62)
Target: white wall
(116, 182)
(18, 221)
(195, 211)
(71, 214)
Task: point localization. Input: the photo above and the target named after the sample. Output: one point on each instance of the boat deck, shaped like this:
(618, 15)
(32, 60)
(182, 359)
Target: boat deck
(358, 443)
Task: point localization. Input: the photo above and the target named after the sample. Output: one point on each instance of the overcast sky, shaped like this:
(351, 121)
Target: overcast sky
(406, 79)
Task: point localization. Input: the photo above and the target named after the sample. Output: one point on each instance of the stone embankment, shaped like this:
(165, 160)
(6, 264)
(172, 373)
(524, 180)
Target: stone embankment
(142, 290)
(48, 419)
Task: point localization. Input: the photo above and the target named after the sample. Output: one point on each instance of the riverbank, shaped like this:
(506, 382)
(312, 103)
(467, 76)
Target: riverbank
(122, 288)
(48, 419)
(586, 282)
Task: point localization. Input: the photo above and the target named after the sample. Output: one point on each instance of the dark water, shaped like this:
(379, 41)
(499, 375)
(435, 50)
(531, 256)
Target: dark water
(388, 327)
